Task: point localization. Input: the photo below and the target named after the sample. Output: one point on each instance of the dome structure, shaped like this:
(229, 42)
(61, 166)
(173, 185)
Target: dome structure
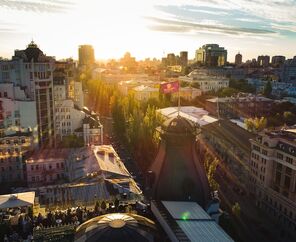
(116, 227)
(33, 52)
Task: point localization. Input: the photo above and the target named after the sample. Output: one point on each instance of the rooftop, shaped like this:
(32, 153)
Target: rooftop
(143, 88)
(247, 98)
(196, 115)
(47, 154)
(188, 221)
(109, 161)
(17, 200)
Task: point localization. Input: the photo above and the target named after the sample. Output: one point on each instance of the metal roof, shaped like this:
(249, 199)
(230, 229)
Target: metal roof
(191, 209)
(193, 220)
(203, 231)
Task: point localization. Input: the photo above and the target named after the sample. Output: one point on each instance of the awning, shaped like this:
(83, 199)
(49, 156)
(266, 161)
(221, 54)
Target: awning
(17, 200)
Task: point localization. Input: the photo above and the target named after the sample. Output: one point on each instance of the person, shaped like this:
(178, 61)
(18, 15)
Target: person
(5, 238)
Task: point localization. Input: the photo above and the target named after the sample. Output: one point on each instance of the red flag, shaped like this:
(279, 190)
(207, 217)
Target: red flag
(169, 87)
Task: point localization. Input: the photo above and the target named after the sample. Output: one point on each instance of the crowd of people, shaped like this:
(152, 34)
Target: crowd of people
(22, 230)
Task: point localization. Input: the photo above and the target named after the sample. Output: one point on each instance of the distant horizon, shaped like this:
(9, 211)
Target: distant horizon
(149, 29)
(191, 56)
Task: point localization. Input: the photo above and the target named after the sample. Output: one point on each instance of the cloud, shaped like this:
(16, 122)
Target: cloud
(168, 25)
(40, 6)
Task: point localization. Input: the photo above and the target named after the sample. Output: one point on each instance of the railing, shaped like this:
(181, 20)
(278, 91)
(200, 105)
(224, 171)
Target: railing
(55, 233)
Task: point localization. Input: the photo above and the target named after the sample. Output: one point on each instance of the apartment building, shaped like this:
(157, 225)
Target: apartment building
(273, 174)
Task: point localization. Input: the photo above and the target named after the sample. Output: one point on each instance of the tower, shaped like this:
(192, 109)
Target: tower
(86, 56)
(238, 59)
(177, 173)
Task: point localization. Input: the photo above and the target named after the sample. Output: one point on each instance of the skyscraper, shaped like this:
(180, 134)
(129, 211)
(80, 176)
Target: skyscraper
(184, 58)
(211, 55)
(86, 56)
(238, 59)
(278, 60)
(263, 60)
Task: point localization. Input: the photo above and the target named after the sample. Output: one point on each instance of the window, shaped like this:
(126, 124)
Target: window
(32, 167)
(280, 156)
(279, 166)
(289, 160)
(257, 148)
(288, 170)
(278, 177)
(264, 152)
(287, 182)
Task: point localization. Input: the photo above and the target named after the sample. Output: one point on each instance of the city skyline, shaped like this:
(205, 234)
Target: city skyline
(149, 29)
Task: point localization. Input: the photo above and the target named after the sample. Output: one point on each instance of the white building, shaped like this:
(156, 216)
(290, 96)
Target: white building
(196, 115)
(205, 82)
(30, 72)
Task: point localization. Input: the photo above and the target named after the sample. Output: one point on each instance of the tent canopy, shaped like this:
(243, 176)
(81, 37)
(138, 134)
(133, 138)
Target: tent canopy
(17, 200)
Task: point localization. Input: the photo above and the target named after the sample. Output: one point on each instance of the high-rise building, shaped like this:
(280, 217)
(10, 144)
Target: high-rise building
(273, 174)
(211, 55)
(171, 59)
(278, 60)
(30, 73)
(263, 60)
(288, 71)
(238, 59)
(86, 56)
(183, 58)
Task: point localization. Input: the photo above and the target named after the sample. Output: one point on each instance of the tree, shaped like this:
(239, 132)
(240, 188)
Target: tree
(236, 209)
(290, 118)
(227, 92)
(211, 164)
(103, 205)
(72, 141)
(267, 89)
(256, 125)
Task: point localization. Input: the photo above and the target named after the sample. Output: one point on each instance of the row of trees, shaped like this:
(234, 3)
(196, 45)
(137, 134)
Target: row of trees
(134, 122)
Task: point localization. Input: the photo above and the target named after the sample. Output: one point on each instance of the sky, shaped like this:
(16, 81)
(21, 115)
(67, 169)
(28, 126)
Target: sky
(149, 28)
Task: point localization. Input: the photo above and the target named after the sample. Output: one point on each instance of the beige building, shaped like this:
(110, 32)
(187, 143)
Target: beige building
(143, 93)
(273, 174)
(188, 93)
(205, 81)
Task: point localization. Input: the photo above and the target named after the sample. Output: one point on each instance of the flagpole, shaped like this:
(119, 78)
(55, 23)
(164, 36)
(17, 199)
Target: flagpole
(179, 100)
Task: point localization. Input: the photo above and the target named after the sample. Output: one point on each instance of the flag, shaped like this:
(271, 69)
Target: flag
(169, 87)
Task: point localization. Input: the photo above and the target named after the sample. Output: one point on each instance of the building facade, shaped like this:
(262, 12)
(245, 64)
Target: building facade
(211, 55)
(86, 56)
(273, 174)
(246, 106)
(278, 60)
(238, 59)
(31, 72)
(288, 72)
(46, 167)
(263, 60)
